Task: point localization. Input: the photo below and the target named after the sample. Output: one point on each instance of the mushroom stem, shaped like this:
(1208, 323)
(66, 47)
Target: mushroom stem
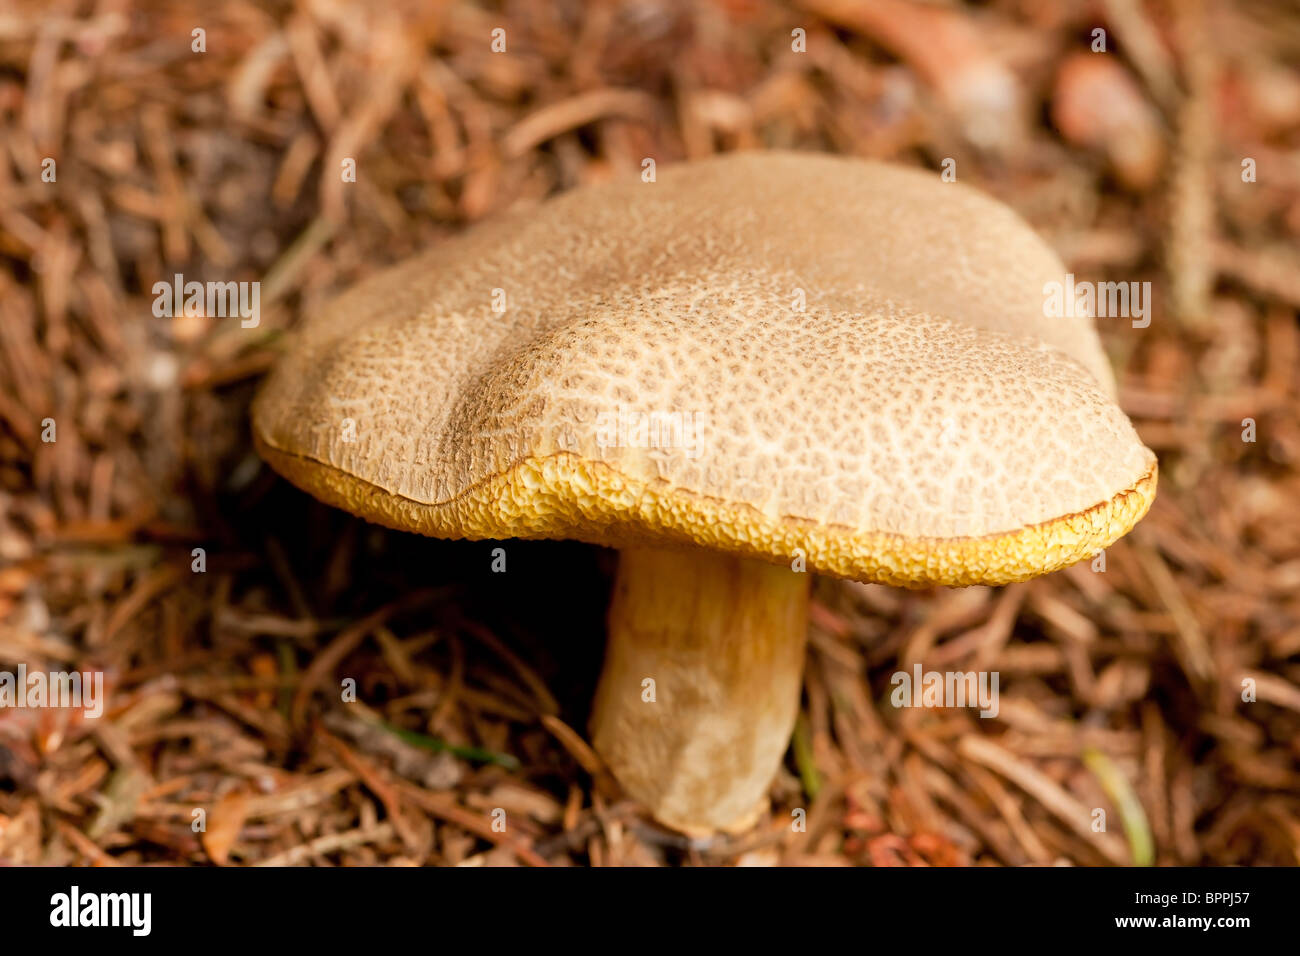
(701, 683)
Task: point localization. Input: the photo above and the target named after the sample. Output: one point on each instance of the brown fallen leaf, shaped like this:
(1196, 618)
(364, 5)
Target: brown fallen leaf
(224, 824)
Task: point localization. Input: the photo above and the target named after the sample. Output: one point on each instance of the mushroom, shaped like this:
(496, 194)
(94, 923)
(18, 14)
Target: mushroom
(760, 365)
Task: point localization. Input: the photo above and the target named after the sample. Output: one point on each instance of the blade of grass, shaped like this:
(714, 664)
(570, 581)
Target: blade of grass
(803, 758)
(1131, 815)
(289, 673)
(475, 754)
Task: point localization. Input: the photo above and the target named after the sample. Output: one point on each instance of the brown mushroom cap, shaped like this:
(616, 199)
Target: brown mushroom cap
(921, 421)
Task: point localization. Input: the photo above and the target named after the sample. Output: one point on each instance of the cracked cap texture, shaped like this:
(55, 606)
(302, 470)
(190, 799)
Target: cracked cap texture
(780, 355)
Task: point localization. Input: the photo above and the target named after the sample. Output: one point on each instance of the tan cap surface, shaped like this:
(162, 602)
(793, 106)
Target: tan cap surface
(920, 421)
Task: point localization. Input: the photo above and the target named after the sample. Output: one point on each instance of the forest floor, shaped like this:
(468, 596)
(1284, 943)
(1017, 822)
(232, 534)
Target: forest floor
(1164, 689)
